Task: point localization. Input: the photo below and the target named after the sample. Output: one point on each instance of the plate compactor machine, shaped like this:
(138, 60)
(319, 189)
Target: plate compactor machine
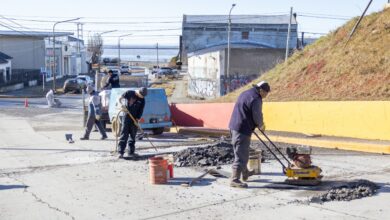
(299, 169)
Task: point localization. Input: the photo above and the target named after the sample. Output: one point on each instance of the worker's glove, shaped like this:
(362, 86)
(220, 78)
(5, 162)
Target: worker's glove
(262, 128)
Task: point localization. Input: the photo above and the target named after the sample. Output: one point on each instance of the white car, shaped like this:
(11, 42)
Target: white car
(124, 69)
(86, 79)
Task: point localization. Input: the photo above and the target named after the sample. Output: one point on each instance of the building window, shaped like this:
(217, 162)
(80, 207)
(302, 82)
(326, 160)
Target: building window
(8, 74)
(245, 35)
(2, 76)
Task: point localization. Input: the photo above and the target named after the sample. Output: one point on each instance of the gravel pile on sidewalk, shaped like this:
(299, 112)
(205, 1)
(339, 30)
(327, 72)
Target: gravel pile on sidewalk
(350, 191)
(211, 155)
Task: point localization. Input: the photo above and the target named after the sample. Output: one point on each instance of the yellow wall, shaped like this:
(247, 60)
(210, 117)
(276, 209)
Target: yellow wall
(357, 119)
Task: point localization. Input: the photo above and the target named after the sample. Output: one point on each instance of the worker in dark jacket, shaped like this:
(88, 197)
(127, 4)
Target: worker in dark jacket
(247, 115)
(94, 114)
(112, 80)
(135, 105)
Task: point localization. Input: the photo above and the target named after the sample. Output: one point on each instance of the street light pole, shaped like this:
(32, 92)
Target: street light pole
(119, 48)
(98, 71)
(227, 75)
(54, 50)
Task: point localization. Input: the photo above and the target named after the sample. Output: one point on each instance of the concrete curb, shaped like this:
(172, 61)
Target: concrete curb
(333, 144)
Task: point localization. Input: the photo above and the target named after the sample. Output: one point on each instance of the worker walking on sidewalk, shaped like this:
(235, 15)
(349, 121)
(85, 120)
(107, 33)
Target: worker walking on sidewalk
(135, 106)
(247, 115)
(94, 114)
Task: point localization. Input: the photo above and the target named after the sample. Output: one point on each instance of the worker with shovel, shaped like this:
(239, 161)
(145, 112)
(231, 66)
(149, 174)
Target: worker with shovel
(135, 106)
(247, 115)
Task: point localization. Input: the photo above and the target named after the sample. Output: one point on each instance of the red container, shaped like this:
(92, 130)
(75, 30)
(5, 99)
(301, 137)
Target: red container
(158, 167)
(170, 169)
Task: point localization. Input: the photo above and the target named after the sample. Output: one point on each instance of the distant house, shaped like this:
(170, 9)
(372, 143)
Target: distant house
(70, 55)
(204, 31)
(29, 52)
(5, 68)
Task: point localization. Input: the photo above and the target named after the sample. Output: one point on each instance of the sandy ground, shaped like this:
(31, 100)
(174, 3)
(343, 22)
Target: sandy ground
(44, 177)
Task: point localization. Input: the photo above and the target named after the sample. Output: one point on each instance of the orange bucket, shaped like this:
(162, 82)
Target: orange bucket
(158, 170)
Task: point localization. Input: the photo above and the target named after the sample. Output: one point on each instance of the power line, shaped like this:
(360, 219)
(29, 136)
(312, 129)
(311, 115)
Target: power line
(327, 15)
(323, 17)
(144, 22)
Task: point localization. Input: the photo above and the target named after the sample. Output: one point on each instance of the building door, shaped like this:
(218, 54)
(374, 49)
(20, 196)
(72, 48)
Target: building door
(66, 65)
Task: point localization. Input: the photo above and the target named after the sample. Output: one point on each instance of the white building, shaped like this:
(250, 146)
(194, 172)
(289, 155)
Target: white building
(70, 55)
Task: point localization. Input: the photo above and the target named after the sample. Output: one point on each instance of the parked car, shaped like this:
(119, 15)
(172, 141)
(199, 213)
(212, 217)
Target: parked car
(74, 85)
(86, 79)
(167, 72)
(124, 69)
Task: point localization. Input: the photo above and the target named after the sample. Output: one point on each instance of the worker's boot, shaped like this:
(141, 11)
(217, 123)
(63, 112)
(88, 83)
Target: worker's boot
(84, 138)
(246, 174)
(236, 182)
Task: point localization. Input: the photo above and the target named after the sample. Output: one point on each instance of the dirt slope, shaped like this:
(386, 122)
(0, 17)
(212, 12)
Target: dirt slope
(329, 70)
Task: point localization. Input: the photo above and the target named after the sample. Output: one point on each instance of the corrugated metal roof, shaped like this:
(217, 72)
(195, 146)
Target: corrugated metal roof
(33, 33)
(240, 19)
(3, 61)
(239, 45)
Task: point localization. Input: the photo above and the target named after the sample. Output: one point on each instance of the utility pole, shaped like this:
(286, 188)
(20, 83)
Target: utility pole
(288, 35)
(54, 50)
(157, 57)
(227, 76)
(119, 48)
(98, 70)
(302, 39)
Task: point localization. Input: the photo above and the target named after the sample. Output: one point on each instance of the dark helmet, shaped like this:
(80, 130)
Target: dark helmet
(143, 91)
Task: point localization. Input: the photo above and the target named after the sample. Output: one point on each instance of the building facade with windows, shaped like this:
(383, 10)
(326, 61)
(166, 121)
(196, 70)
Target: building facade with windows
(205, 31)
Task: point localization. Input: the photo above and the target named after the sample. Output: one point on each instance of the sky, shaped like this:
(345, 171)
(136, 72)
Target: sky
(156, 21)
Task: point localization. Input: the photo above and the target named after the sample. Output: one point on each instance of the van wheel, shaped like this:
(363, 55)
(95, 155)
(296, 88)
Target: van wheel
(157, 131)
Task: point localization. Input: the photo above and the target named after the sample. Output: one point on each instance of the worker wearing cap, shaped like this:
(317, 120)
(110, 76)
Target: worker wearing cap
(94, 114)
(135, 105)
(246, 116)
(113, 80)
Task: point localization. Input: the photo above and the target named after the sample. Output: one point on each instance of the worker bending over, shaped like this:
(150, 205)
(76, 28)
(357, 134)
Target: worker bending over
(135, 106)
(247, 115)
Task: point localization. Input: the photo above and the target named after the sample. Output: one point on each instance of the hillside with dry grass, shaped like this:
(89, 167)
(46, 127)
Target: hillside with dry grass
(331, 70)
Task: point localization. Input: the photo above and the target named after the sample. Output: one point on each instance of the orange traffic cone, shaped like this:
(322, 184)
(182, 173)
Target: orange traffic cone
(25, 103)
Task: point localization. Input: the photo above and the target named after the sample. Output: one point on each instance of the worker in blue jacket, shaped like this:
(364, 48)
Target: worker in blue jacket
(113, 80)
(247, 115)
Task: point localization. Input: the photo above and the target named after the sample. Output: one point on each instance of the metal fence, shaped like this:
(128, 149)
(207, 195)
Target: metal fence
(22, 76)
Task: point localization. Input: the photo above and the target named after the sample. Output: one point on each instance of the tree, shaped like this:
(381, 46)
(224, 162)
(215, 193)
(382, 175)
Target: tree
(95, 48)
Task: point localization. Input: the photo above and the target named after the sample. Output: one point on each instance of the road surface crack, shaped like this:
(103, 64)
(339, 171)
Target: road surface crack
(38, 199)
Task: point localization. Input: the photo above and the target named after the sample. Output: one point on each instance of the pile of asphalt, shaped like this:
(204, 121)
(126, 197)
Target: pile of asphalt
(212, 155)
(347, 192)
(220, 153)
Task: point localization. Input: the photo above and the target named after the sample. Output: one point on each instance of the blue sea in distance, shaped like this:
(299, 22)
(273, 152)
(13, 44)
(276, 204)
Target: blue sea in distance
(143, 55)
